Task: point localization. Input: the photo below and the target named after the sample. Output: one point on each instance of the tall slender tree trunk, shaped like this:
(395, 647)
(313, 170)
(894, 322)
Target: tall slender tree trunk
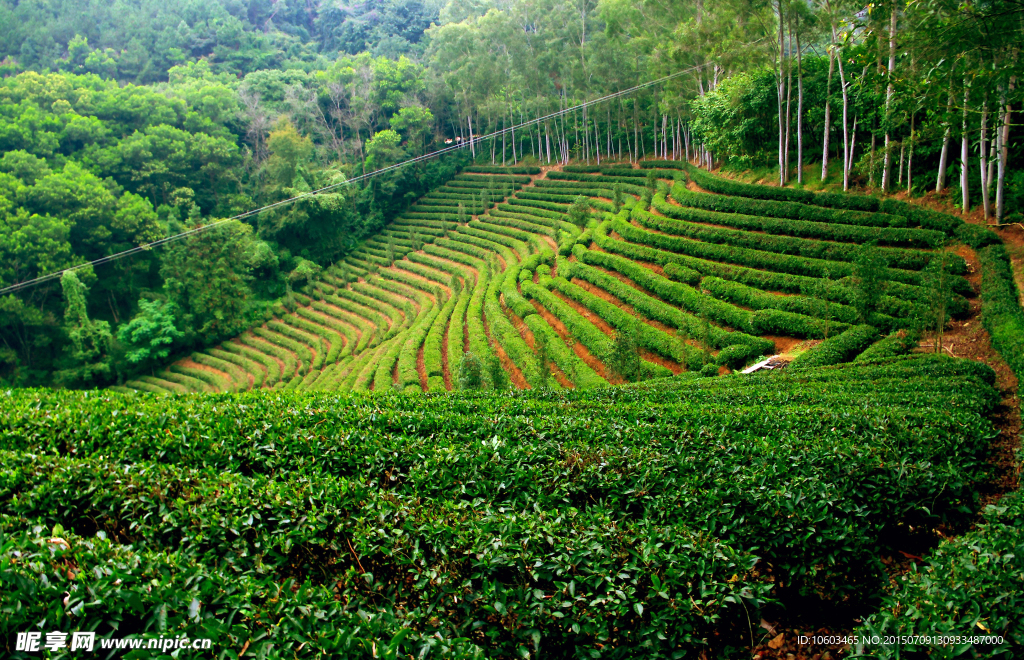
(781, 85)
(547, 140)
(940, 180)
(983, 156)
(828, 117)
(846, 127)
(886, 165)
(964, 146)
(799, 108)
(1004, 140)
(789, 94)
(993, 150)
(910, 154)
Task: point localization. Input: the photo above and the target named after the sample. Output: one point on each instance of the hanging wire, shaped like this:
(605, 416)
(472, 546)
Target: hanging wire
(241, 216)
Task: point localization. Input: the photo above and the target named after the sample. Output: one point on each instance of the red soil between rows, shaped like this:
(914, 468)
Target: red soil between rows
(578, 348)
(515, 374)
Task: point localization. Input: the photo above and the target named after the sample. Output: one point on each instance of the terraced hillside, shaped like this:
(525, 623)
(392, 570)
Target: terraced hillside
(688, 271)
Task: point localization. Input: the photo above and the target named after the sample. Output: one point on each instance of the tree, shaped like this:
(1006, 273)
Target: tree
(288, 151)
(579, 211)
(151, 335)
(625, 358)
(207, 276)
(617, 199)
(470, 372)
(540, 352)
(869, 270)
(88, 354)
(498, 377)
(938, 283)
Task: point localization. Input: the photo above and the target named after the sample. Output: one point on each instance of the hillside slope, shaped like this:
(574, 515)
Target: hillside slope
(695, 276)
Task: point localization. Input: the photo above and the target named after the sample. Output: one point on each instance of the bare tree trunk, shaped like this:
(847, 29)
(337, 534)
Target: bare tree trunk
(597, 142)
(828, 117)
(847, 147)
(993, 150)
(903, 152)
(781, 85)
(964, 145)
(983, 155)
(910, 155)
(799, 109)
(940, 181)
(789, 94)
(886, 165)
(1004, 140)
(472, 143)
(547, 140)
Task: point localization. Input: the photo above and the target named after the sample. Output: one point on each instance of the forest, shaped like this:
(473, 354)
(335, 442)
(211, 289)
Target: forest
(512, 328)
(113, 137)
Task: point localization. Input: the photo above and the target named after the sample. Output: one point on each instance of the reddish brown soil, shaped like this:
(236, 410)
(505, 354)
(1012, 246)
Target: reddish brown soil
(421, 367)
(282, 348)
(456, 264)
(192, 364)
(671, 365)
(351, 326)
(581, 351)
(783, 344)
(515, 374)
(445, 370)
(417, 276)
(601, 293)
(598, 322)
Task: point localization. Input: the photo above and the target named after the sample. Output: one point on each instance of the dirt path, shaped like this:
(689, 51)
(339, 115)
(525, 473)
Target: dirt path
(445, 367)
(351, 326)
(289, 351)
(192, 364)
(515, 374)
(458, 265)
(578, 348)
(250, 336)
(421, 366)
(416, 276)
(604, 295)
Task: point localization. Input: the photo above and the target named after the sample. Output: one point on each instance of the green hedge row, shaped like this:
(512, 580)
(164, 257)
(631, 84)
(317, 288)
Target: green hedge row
(553, 186)
(504, 178)
(968, 587)
(575, 369)
(248, 365)
(898, 259)
(792, 210)
(747, 296)
(484, 169)
(433, 352)
(1000, 307)
(695, 207)
(841, 348)
(502, 331)
(272, 366)
(756, 258)
(896, 344)
(647, 337)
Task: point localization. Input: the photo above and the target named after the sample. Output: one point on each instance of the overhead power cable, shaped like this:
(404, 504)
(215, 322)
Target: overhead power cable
(241, 216)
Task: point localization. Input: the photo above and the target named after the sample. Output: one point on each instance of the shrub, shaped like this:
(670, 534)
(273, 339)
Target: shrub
(841, 348)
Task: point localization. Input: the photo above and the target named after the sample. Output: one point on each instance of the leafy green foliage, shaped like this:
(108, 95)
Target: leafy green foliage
(151, 335)
(470, 372)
